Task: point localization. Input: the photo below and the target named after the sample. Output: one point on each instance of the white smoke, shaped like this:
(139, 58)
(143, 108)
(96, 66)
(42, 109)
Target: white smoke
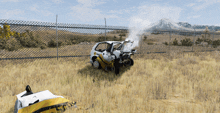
(146, 15)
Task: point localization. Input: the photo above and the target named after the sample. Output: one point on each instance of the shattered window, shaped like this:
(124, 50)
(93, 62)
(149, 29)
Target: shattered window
(117, 47)
(102, 47)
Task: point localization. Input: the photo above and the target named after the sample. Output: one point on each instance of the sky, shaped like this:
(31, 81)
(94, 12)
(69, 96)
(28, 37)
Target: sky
(116, 12)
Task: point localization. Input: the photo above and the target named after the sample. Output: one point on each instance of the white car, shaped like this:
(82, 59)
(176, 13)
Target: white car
(111, 55)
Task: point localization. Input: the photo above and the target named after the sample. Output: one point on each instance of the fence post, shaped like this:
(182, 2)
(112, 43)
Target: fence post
(57, 36)
(170, 39)
(212, 37)
(105, 29)
(194, 39)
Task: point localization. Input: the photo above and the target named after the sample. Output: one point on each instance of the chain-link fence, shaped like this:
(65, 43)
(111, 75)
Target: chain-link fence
(160, 41)
(30, 40)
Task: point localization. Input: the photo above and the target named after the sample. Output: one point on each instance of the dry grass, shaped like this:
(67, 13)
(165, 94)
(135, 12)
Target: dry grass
(157, 83)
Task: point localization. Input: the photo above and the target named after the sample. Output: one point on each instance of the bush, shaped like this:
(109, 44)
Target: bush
(175, 42)
(122, 34)
(186, 42)
(3, 43)
(115, 38)
(12, 44)
(145, 38)
(100, 39)
(120, 38)
(53, 43)
(198, 41)
(216, 43)
(68, 42)
(43, 46)
(209, 41)
(28, 42)
(166, 43)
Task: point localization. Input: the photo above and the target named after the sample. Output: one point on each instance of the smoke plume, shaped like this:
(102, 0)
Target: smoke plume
(146, 15)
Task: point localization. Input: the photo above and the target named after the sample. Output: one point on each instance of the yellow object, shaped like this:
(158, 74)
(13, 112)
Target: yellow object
(94, 53)
(104, 63)
(47, 106)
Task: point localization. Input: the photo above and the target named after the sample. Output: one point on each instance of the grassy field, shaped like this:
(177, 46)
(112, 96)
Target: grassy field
(157, 83)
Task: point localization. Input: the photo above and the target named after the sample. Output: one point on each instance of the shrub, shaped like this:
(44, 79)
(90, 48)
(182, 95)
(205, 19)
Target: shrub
(216, 43)
(43, 46)
(120, 38)
(122, 34)
(28, 42)
(198, 41)
(166, 43)
(100, 38)
(150, 43)
(9, 44)
(209, 41)
(115, 38)
(12, 44)
(68, 42)
(3, 43)
(145, 38)
(53, 43)
(186, 42)
(175, 42)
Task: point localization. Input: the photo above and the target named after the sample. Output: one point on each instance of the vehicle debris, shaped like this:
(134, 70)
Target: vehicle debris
(44, 101)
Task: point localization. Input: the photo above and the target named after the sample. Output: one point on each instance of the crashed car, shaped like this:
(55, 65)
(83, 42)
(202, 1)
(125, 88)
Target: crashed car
(111, 55)
(41, 102)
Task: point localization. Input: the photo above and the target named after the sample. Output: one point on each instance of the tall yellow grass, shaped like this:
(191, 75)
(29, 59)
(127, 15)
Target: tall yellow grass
(175, 83)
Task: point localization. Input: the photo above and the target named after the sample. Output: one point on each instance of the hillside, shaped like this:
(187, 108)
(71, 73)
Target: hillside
(167, 24)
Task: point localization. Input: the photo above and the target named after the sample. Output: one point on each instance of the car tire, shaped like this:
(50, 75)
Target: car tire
(131, 62)
(117, 66)
(96, 64)
(117, 70)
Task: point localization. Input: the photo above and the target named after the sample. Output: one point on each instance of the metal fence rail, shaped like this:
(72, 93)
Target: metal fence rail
(37, 40)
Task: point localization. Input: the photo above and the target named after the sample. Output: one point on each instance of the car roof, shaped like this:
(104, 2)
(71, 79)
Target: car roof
(110, 42)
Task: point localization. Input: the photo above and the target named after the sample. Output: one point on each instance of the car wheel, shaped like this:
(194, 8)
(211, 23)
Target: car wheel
(117, 66)
(116, 70)
(131, 62)
(96, 64)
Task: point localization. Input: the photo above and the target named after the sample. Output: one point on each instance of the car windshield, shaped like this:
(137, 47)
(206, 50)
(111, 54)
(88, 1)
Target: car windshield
(117, 46)
(126, 44)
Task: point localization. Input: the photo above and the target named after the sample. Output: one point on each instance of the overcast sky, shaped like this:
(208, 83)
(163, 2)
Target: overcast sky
(116, 12)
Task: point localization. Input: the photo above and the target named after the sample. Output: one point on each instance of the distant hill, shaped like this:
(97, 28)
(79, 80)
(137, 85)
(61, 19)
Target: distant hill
(167, 24)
